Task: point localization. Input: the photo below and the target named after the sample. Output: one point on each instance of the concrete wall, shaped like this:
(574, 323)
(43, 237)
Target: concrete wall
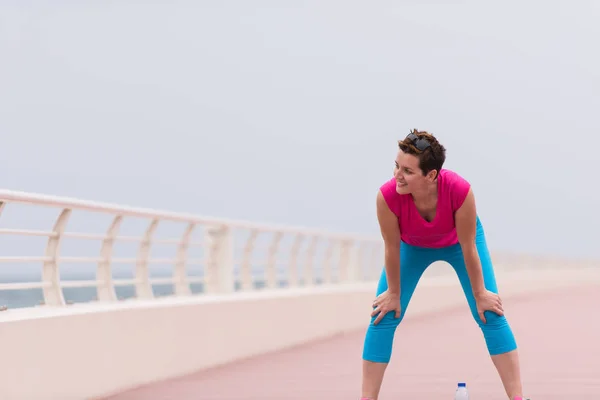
(85, 351)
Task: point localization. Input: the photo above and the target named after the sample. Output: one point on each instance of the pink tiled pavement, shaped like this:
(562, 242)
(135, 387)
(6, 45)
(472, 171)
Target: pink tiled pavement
(558, 334)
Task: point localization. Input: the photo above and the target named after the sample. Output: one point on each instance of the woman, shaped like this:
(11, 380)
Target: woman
(428, 214)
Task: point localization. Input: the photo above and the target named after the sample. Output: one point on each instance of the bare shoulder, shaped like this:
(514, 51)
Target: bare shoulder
(466, 219)
(468, 206)
(388, 221)
(383, 208)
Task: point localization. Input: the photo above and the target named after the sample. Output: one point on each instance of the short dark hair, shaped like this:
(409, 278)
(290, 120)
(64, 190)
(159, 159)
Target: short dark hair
(426, 147)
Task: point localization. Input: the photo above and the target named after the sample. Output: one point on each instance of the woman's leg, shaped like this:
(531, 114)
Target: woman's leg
(497, 333)
(379, 339)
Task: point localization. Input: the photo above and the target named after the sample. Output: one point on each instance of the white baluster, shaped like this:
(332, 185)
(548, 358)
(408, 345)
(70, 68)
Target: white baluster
(106, 289)
(271, 267)
(309, 263)
(182, 286)
(247, 283)
(143, 287)
(53, 295)
(293, 271)
(348, 261)
(328, 262)
(219, 265)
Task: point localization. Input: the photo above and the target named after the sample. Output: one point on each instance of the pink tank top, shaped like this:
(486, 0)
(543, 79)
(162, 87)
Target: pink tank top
(414, 229)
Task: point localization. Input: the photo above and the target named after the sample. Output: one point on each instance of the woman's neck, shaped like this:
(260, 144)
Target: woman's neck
(427, 196)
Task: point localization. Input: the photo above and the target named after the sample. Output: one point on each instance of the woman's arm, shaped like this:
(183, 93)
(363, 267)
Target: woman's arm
(466, 229)
(390, 231)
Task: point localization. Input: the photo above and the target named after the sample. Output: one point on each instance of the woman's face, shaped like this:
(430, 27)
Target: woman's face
(409, 177)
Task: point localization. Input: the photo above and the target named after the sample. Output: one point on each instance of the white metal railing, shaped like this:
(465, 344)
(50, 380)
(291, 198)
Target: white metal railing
(229, 258)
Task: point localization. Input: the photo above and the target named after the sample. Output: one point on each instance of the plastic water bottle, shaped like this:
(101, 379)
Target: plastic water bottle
(461, 392)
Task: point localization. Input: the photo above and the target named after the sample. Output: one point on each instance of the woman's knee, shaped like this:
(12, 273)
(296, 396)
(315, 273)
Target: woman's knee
(492, 320)
(498, 334)
(379, 338)
(389, 321)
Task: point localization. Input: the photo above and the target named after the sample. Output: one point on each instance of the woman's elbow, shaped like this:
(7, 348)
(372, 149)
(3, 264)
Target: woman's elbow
(392, 247)
(468, 245)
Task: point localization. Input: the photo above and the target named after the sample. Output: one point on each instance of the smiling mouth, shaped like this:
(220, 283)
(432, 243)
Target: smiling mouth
(400, 183)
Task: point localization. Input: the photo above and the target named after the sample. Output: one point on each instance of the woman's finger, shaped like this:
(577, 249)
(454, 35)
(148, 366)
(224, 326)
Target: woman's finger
(380, 316)
(375, 311)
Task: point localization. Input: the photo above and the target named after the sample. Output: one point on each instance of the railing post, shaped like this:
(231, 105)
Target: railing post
(376, 262)
(53, 295)
(328, 262)
(106, 289)
(294, 251)
(219, 265)
(271, 267)
(309, 278)
(349, 267)
(182, 286)
(246, 278)
(143, 287)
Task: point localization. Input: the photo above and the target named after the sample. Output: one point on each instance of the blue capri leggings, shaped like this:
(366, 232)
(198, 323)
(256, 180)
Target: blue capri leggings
(413, 262)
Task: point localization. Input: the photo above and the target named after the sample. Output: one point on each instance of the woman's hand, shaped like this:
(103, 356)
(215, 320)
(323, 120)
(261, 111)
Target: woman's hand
(385, 303)
(488, 301)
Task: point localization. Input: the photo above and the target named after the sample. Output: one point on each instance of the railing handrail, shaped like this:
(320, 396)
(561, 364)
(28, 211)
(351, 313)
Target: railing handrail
(343, 258)
(13, 196)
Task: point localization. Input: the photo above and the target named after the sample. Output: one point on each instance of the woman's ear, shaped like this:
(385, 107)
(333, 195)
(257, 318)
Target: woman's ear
(431, 175)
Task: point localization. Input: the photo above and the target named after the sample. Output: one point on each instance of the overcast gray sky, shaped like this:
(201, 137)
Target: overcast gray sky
(289, 112)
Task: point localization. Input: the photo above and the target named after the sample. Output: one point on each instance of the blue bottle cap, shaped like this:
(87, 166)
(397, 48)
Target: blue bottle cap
(462, 384)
